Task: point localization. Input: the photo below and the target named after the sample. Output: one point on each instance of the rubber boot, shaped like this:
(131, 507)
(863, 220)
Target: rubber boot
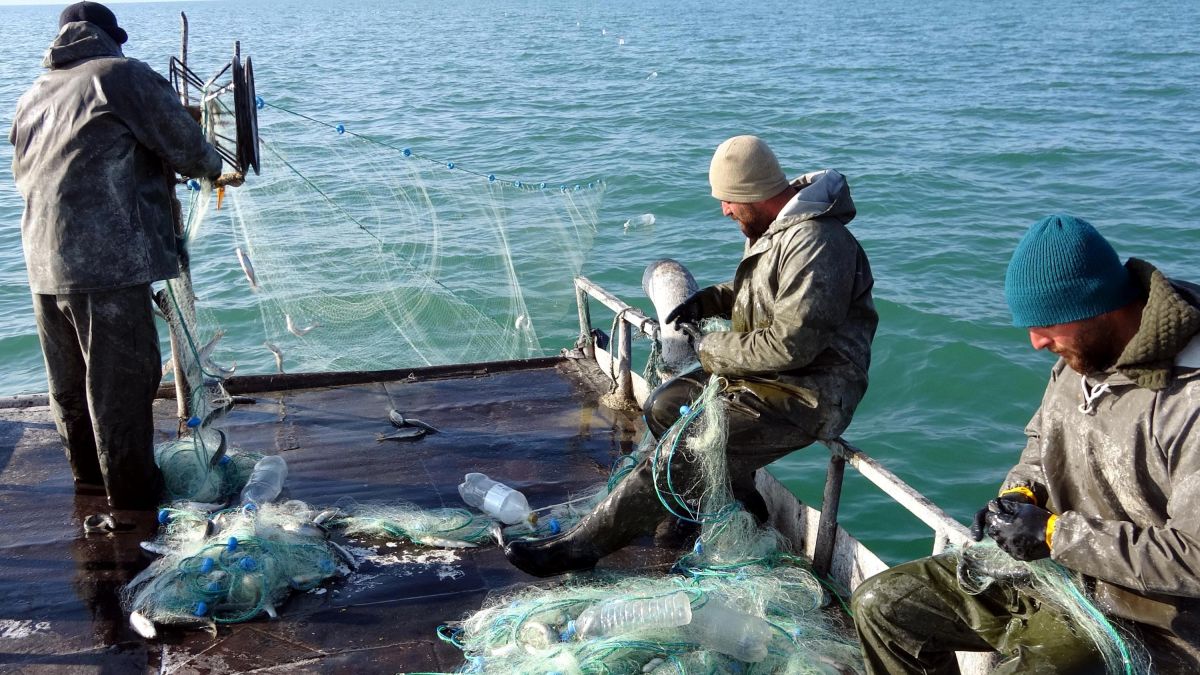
(631, 510)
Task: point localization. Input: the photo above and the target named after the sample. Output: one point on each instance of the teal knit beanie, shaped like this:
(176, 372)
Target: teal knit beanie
(1062, 271)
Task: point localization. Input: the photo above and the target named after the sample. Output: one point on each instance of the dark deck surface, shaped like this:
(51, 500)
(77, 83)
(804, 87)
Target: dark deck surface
(537, 428)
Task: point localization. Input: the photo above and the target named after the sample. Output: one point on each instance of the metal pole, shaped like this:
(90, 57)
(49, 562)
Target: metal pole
(183, 389)
(183, 50)
(827, 529)
(585, 322)
(624, 358)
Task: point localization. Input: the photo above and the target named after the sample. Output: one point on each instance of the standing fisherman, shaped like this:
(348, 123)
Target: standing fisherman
(97, 141)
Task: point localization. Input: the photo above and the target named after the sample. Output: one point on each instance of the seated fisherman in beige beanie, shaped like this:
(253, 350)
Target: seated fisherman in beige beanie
(795, 358)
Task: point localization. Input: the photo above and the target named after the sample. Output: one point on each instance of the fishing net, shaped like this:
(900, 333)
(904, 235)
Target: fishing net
(355, 253)
(985, 564)
(198, 468)
(374, 244)
(229, 567)
(399, 521)
(737, 597)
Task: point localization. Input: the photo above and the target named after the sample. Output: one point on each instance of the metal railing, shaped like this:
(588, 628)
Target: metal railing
(630, 386)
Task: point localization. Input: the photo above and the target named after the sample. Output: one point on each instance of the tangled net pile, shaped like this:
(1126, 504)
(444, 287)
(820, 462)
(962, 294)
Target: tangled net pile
(737, 597)
(985, 564)
(229, 567)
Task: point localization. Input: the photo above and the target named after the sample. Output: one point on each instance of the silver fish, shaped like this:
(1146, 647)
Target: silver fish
(325, 515)
(441, 542)
(278, 355)
(403, 434)
(299, 332)
(247, 268)
(399, 421)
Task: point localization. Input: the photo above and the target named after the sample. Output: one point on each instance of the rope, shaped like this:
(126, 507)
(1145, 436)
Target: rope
(408, 152)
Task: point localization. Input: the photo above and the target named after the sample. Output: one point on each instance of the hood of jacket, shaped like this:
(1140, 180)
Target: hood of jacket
(1169, 322)
(77, 41)
(823, 194)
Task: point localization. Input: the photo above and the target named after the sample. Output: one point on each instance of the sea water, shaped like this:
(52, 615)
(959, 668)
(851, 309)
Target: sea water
(957, 125)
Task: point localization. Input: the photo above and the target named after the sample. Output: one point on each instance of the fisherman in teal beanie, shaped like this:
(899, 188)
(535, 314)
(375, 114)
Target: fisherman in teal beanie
(1107, 487)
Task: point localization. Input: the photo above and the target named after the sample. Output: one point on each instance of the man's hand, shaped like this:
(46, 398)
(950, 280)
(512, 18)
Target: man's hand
(688, 311)
(692, 332)
(979, 524)
(1019, 529)
(234, 179)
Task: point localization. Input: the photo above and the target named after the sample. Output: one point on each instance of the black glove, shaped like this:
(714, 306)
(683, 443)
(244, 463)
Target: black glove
(1019, 529)
(978, 525)
(688, 311)
(692, 332)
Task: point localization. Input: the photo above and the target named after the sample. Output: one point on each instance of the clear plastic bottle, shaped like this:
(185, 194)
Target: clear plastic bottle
(644, 220)
(724, 629)
(266, 480)
(615, 617)
(495, 499)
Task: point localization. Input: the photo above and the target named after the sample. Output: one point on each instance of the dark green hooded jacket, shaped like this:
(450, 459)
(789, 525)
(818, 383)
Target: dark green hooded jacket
(96, 142)
(802, 316)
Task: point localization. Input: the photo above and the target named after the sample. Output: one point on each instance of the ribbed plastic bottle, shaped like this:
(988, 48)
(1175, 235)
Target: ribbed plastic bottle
(615, 617)
(266, 481)
(494, 498)
(734, 633)
(644, 220)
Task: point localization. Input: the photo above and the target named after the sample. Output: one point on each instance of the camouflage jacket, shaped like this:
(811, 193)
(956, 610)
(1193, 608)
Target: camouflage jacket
(96, 142)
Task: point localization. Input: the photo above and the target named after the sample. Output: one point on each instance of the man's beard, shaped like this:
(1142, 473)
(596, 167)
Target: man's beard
(1095, 350)
(756, 224)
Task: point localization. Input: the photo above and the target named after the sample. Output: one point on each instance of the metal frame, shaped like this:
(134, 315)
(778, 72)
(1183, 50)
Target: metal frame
(946, 530)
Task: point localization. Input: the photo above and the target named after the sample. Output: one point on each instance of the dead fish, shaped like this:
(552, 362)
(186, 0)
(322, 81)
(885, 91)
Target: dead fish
(325, 515)
(399, 421)
(278, 355)
(156, 549)
(247, 268)
(221, 446)
(204, 356)
(442, 542)
(346, 556)
(206, 362)
(403, 434)
(299, 332)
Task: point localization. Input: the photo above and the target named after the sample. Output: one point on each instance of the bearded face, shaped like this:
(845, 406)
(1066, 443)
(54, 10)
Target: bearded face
(1088, 346)
(753, 219)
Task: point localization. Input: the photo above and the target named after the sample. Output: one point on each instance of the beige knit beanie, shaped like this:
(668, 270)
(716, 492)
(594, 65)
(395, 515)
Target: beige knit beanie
(744, 170)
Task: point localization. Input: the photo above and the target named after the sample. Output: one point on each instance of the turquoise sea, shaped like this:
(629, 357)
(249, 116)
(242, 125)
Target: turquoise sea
(958, 124)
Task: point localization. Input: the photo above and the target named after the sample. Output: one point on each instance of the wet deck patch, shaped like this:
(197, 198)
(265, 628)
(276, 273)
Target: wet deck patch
(539, 429)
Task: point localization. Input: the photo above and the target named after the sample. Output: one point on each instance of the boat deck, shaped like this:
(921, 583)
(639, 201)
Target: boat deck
(535, 425)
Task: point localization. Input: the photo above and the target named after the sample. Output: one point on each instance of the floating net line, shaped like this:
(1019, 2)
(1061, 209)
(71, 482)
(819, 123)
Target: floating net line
(983, 565)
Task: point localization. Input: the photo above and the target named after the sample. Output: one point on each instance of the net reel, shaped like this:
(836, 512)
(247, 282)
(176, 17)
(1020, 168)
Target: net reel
(230, 106)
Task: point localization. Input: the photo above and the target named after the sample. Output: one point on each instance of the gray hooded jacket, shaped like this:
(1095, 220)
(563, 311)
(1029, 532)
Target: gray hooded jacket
(1117, 456)
(800, 303)
(97, 140)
